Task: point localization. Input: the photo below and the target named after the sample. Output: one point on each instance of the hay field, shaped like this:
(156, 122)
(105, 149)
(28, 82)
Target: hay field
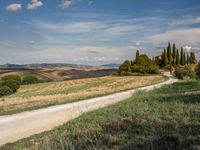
(36, 96)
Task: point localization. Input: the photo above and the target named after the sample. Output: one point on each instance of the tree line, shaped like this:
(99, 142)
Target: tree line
(171, 56)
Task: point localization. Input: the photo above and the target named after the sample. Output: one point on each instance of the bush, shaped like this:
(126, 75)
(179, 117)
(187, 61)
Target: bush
(12, 84)
(183, 72)
(152, 69)
(12, 77)
(30, 80)
(125, 67)
(5, 90)
(197, 69)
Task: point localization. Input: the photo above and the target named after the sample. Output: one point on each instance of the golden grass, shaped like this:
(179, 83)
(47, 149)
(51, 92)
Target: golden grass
(45, 94)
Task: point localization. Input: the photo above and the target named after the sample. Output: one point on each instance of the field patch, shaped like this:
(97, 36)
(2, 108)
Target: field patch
(41, 95)
(148, 120)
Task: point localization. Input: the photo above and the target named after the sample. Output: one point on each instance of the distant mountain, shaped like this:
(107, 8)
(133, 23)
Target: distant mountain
(51, 66)
(111, 65)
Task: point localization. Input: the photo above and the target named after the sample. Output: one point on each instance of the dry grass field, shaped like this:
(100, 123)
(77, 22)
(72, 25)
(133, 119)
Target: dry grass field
(41, 95)
(59, 74)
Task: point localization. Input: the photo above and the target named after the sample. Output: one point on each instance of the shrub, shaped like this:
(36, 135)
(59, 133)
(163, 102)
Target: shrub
(198, 70)
(12, 84)
(183, 72)
(5, 90)
(30, 80)
(12, 77)
(153, 69)
(126, 67)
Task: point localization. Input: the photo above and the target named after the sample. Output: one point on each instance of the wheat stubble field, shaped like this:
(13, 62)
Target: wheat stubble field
(41, 95)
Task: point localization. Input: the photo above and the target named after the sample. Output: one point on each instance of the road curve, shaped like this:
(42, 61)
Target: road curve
(22, 125)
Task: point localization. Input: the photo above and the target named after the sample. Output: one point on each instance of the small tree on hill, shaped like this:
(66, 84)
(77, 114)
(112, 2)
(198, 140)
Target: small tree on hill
(174, 55)
(193, 58)
(165, 57)
(198, 70)
(137, 57)
(169, 53)
(177, 58)
(125, 67)
(182, 56)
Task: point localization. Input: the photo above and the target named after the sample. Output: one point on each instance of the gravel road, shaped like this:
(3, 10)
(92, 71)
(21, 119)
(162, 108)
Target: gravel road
(22, 125)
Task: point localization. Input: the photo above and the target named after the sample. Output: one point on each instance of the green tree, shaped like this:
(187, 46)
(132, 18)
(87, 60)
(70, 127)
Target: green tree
(188, 59)
(193, 58)
(198, 70)
(174, 55)
(165, 57)
(169, 53)
(177, 58)
(182, 56)
(125, 67)
(184, 59)
(137, 57)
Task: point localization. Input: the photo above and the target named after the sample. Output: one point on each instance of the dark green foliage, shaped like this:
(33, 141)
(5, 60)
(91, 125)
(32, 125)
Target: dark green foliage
(144, 60)
(137, 57)
(182, 56)
(184, 59)
(5, 90)
(198, 70)
(30, 80)
(193, 58)
(12, 77)
(12, 84)
(165, 58)
(177, 58)
(125, 67)
(169, 53)
(174, 55)
(188, 59)
(183, 72)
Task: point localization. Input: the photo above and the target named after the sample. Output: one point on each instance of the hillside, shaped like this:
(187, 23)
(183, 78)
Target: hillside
(35, 96)
(166, 118)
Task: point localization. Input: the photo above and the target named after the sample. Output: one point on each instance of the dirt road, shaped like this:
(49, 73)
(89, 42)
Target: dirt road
(22, 125)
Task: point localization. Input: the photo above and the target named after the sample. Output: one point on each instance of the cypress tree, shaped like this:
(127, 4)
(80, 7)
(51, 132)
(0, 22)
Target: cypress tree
(188, 59)
(169, 53)
(184, 59)
(165, 57)
(182, 56)
(177, 58)
(174, 55)
(137, 57)
(193, 58)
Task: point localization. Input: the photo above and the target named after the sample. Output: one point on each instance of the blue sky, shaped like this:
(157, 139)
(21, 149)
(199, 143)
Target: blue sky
(94, 31)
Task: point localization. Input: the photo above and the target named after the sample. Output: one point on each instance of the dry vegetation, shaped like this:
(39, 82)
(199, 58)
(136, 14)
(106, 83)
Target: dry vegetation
(45, 94)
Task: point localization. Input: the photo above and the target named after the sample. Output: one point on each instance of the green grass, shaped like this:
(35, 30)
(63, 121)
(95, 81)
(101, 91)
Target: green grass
(163, 119)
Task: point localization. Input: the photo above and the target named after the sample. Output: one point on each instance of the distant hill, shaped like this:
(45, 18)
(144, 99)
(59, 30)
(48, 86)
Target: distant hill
(111, 65)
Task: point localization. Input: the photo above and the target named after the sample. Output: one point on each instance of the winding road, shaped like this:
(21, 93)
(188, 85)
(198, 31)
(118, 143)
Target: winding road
(22, 125)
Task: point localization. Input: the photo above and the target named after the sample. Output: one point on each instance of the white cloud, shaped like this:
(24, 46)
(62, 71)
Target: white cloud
(65, 3)
(185, 21)
(180, 36)
(137, 44)
(34, 5)
(14, 7)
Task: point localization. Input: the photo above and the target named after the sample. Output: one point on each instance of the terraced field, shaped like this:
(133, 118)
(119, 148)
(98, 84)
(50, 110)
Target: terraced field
(31, 97)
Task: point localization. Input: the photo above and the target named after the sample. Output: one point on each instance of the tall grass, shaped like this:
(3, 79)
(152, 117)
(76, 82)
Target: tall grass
(163, 119)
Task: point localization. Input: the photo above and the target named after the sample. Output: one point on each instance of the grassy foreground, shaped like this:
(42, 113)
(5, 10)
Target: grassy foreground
(163, 119)
(36, 96)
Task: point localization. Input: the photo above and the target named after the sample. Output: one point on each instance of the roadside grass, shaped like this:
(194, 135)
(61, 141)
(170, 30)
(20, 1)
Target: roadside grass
(30, 97)
(152, 120)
